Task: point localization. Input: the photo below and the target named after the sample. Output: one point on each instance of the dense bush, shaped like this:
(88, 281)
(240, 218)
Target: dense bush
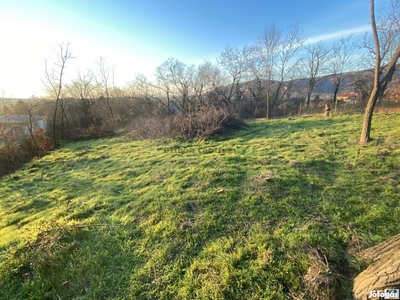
(208, 120)
(15, 152)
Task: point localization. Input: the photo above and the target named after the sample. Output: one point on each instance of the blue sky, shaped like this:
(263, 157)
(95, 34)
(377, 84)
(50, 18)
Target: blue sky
(138, 35)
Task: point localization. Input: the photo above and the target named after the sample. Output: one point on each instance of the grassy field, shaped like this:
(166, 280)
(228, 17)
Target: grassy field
(278, 210)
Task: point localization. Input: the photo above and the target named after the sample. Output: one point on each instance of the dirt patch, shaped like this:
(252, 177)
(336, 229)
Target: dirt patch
(321, 282)
(384, 270)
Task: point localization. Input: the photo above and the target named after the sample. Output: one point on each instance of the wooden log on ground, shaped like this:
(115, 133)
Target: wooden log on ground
(384, 271)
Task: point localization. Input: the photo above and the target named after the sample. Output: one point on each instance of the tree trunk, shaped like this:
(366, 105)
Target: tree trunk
(267, 106)
(31, 128)
(383, 272)
(309, 92)
(55, 142)
(366, 129)
(62, 119)
(335, 92)
(369, 110)
(377, 92)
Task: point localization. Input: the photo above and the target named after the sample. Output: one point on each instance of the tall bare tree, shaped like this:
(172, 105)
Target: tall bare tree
(276, 62)
(205, 80)
(146, 93)
(287, 61)
(256, 86)
(314, 63)
(82, 88)
(270, 42)
(339, 63)
(105, 80)
(31, 107)
(362, 86)
(53, 82)
(175, 78)
(235, 62)
(387, 48)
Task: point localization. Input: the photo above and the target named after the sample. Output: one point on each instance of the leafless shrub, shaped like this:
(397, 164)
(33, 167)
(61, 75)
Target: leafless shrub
(16, 152)
(12, 157)
(37, 144)
(206, 121)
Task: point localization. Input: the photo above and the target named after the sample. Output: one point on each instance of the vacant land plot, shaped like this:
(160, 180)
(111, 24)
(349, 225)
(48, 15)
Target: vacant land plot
(278, 210)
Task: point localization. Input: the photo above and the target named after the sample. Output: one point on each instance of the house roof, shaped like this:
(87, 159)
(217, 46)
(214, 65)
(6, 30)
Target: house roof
(347, 95)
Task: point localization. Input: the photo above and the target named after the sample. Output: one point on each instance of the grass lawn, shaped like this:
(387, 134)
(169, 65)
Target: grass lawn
(278, 210)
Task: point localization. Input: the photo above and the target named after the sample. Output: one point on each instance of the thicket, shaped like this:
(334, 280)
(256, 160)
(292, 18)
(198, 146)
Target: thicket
(14, 152)
(91, 118)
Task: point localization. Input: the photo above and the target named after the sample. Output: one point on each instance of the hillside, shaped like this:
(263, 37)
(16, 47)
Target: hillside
(325, 84)
(278, 210)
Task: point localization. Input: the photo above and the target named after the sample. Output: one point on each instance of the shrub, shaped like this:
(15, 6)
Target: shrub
(15, 152)
(37, 144)
(206, 121)
(11, 157)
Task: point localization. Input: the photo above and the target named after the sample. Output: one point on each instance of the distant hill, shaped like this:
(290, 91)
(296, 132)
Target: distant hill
(325, 84)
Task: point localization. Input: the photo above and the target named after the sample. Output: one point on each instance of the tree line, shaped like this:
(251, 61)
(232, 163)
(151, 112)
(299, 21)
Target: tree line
(272, 76)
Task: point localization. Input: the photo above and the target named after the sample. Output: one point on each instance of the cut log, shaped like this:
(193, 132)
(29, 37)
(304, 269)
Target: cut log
(384, 271)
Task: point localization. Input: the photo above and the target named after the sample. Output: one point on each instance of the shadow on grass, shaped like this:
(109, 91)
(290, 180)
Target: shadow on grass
(311, 225)
(87, 261)
(277, 128)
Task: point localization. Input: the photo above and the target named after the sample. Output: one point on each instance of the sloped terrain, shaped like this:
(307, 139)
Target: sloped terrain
(279, 210)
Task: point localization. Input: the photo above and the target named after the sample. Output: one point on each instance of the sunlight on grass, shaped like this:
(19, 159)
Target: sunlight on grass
(237, 216)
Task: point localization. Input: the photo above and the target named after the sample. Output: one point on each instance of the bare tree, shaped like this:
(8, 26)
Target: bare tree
(105, 81)
(54, 85)
(386, 42)
(83, 88)
(27, 112)
(206, 78)
(270, 45)
(235, 62)
(287, 61)
(276, 63)
(256, 86)
(147, 93)
(362, 86)
(32, 125)
(176, 79)
(314, 63)
(339, 63)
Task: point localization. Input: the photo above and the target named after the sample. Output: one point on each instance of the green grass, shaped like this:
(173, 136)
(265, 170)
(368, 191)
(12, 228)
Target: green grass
(240, 216)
